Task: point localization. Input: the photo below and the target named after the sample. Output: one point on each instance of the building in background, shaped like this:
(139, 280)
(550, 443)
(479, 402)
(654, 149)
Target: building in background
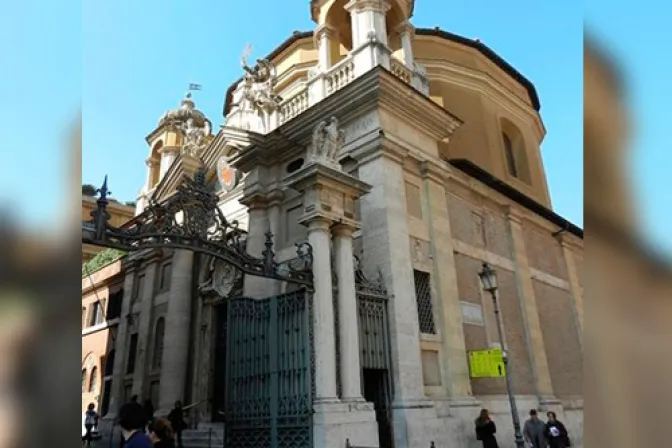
(119, 215)
(446, 135)
(102, 294)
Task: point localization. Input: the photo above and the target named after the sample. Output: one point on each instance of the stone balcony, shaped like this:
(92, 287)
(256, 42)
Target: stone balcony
(321, 84)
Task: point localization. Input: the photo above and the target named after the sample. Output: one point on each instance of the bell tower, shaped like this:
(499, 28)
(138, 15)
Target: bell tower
(371, 32)
(166, 142)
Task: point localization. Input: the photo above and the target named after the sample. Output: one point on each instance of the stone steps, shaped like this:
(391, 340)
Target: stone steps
(203, 438)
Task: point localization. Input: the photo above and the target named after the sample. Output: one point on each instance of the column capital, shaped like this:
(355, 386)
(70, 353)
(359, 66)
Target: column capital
(380, 6)
(432, 171)
(255, 201)
(325, 31)
(345, 229)
(514, 215)
(275, 198)
(151, 162)
(317, 223)
(405, 27)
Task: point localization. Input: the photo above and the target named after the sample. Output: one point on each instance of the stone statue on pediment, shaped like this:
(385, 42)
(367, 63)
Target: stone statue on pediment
(259, 82)
(328, 140)
(194, 137)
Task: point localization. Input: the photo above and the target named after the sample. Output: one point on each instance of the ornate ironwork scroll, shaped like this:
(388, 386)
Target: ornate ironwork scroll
(191, 219)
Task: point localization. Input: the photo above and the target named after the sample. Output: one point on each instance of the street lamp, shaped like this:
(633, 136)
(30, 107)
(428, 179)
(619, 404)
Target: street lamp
(488, 278)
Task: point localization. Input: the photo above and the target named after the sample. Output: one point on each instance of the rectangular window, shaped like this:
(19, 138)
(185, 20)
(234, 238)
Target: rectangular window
(132, 353)
(423, 298)
(164, 278)
(114, 304)
(94, 314)
(139, 286)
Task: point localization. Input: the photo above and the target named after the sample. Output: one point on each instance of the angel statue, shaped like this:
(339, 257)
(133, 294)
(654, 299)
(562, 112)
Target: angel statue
(259, 82)
(328, 140)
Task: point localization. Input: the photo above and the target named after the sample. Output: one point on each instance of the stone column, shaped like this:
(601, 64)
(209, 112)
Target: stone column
(351, 387)
(145, 332)
(168, 155)
(323, 39)
(575, 285)
(367, 16)
(121, 342)
(406, 32)
(319, 238)
(258, 225)
(455, 365)
(530, 312)
(176, 340)
(151, 165)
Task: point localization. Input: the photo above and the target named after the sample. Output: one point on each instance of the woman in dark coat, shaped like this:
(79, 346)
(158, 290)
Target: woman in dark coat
(486, 429)
(176, 419)
(556, 433)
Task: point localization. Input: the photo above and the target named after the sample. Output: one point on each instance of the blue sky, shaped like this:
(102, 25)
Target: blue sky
(128, 62)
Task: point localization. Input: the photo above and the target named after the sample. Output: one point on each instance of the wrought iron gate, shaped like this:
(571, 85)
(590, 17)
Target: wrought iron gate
(268, 381)
(374, 343)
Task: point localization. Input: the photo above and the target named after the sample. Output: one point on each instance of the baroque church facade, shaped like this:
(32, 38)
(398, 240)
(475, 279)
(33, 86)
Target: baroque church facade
(406, 158)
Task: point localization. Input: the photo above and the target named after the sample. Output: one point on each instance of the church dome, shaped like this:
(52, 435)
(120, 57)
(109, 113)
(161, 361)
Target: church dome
(186, 111)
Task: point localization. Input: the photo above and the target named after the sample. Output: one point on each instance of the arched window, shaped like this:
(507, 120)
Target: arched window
(159, 331)
(83, 380)
(510, 155)
(93, 382)
(515, 152)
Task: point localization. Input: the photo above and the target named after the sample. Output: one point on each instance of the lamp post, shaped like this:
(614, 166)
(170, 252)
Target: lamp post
(488, 278)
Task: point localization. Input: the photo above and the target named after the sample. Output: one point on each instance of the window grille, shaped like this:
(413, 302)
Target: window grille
(423, 298)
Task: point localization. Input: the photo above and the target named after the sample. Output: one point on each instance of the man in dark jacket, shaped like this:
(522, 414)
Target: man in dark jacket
(132, 421)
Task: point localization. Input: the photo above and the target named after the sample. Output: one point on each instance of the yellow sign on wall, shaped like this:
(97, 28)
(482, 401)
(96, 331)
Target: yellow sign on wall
(487, 364)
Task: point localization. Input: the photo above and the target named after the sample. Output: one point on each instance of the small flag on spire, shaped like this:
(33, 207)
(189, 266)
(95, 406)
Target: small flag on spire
(193, 86)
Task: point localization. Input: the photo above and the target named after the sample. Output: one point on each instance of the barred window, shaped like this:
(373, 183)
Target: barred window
(423, 298)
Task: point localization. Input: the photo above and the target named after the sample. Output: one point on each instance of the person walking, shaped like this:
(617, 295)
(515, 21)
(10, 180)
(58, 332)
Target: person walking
(176, 419)
(486, 429)
(161, 434)
(534, 431)
(90, 422)
(132, 422)
(556, 433)
(149, 414)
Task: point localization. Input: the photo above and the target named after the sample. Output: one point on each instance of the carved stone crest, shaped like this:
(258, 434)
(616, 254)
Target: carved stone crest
(221, 279)
(226, 174)
(328, 140)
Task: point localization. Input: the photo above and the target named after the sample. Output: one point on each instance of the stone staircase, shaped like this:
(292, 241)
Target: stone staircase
(206, 436)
